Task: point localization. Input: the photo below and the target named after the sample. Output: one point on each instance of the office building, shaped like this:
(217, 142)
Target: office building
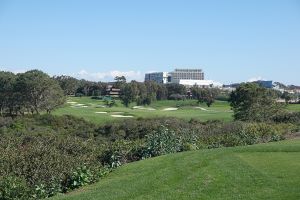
(159, 77)
(186, 74)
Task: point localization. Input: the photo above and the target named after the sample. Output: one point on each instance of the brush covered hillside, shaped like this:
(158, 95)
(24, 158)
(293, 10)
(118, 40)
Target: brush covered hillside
(264, 171)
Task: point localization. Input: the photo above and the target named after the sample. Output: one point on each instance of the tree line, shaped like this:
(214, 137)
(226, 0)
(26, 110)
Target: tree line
(142, 93)
(31, 92)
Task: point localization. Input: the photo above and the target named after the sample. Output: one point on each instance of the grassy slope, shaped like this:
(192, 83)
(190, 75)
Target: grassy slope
(265, 171)
(187, 110)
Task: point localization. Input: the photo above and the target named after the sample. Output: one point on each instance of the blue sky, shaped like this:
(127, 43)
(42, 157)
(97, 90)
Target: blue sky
(231, 41)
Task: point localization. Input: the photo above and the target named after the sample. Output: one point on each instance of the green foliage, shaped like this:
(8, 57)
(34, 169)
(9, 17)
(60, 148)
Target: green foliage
(7, 93)
(177, 97)
(80, 177)
(205, 95)
(174, 88)
(12, 187)
(127, 94)
(287, 117)
(68, 84)
(250, 102)
(45, 154)
(32, 92)
(162, 141)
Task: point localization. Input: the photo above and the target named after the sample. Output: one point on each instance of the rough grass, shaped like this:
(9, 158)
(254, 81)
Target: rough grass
(265, 171)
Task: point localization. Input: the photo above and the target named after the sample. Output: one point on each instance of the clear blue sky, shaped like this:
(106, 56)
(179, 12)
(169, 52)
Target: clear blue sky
(231, 41)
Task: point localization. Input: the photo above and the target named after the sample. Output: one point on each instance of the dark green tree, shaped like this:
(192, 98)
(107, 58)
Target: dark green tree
(205, 95)
(7, 96)
(174, 88)
(250, 102)
(127, 94)
(119, 81)
(68, 84)
(287, 97)
(38, 92)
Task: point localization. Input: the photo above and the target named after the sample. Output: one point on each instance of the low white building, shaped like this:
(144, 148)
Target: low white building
(200, 83)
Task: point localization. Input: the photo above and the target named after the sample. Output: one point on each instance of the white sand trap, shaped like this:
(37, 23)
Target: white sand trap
(170, 109)
(71, 102)
(84, 106)
(116, 113)
(101, 112)
(121, 115)
(202, 108)
(101, 106)
(142, 108)
(80, 104)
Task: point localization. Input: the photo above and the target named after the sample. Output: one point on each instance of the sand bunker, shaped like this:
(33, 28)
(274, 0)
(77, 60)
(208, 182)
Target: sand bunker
(142, 108)
(71, 102)
(116, 113)
(101, 112)
(101, 106)
(201, 108)
(121, 116)
(170, 109)
(79, 106)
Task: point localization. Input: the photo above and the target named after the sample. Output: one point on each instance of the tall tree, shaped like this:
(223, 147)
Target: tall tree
(119, 81)
(127, 95)
(205, 95)
(250, 102)
(7, 101)
(68, 84)
(38, 91)
(174, 88)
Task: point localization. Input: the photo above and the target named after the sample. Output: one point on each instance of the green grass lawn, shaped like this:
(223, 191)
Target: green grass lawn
(294, 107)
(264, 171)
(186, 110)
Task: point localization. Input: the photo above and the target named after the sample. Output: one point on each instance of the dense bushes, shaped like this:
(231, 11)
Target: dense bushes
(287, 117)
(45, 163)
(43, 155)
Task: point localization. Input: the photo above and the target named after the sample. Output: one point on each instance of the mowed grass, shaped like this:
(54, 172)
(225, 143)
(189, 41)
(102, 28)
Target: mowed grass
(186, 110)
(265, 171)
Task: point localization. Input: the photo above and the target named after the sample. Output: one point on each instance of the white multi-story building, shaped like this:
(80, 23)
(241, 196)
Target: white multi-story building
(186, 77)
(186, 74)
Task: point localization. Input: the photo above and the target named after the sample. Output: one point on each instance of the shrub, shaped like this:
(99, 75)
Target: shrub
(120, 152)
(287, 117)
(12, 187)
(80, 177)
(162, 141)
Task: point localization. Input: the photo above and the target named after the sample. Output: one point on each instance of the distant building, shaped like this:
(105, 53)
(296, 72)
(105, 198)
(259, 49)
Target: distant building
(200, 83)
(265, 84)
(159, 77)
(186, 74)
(186, 77)
(112, 91)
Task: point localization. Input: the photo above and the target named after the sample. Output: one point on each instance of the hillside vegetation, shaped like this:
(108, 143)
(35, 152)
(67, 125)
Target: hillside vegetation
(265, 171)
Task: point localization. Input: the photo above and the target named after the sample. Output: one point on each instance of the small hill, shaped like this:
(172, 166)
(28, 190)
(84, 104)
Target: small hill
(265, 171)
